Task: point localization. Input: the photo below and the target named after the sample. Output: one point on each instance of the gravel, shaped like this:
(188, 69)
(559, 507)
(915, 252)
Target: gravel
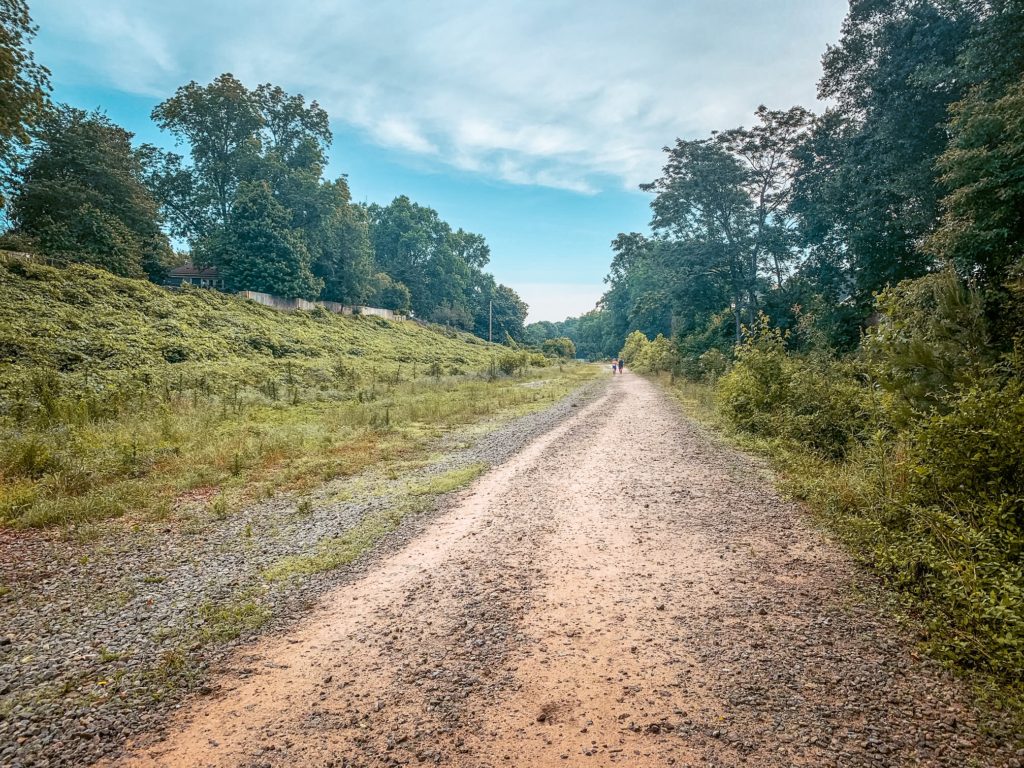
(99, 638)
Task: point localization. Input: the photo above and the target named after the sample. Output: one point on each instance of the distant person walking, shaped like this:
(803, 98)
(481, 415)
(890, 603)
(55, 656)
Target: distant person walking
(613, 367)
(620, 365)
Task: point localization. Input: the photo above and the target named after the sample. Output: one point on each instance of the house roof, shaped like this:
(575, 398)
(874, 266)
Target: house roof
(188, 269)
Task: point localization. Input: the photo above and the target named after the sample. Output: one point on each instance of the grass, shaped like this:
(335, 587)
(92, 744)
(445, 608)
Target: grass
(227, 621)
(449, 481)
(119, 398)
(345, 549)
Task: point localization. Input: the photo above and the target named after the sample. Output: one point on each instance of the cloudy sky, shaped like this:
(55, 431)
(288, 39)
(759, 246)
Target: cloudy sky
(531, 122)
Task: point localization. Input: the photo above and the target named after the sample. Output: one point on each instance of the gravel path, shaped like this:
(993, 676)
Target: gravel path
(624, 591)
(99, 638)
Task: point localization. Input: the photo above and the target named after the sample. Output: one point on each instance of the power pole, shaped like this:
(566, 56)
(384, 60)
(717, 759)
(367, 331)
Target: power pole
(490, 321)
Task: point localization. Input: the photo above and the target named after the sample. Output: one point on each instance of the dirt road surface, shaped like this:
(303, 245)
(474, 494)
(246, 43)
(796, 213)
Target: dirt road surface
(626, 591)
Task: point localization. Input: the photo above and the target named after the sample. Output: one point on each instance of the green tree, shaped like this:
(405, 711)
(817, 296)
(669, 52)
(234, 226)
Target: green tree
(866, 189)
(982, 225)
(81, 196)
(221, 124)
(500, 311)
(440, 266)
(257, 249)
(24, 86)
(701, 200)
(386, 293)
(559, 347)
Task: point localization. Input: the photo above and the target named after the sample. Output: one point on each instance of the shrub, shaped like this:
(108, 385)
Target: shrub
(635, 343)
(511, 361)
(559, 347)
(972, 458)
(932, 338)
(656, 356)
(815, 402)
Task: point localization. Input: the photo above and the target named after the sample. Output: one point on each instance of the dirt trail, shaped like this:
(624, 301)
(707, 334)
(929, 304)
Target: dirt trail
(626, 591)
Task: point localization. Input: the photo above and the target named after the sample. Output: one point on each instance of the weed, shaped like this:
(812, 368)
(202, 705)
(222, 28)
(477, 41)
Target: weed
(450, 481)
(228, 621)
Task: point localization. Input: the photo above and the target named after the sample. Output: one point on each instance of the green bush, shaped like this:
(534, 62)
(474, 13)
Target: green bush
(971, 458)
(770, 393)
(560, 346)
(921, 474)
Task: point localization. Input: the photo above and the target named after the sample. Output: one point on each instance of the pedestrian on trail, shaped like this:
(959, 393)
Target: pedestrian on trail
(620, 365)
(613, 367)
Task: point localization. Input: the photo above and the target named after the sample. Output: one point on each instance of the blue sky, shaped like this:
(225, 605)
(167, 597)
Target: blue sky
(531, 122)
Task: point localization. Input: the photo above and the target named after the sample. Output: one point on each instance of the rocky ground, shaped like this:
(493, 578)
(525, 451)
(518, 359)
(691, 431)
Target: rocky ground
(624, 591)
(100, 637)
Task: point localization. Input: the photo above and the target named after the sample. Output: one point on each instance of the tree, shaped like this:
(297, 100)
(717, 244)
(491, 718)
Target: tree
(866, 189)
(221, 124)
(24, 86)
(389, 294)
(235, 135)
(81, 196)
(257, 250)
(337, 235)
(559, 347)
(701, 200)
(767, 150)
(440, 266)
(981, 229)
(499, 311)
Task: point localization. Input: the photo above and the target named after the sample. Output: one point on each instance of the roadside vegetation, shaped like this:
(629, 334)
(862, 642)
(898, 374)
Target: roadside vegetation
(117, 397)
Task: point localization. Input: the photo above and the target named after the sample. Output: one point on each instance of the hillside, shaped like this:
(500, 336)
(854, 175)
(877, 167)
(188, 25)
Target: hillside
(96, 330)
(118, 397)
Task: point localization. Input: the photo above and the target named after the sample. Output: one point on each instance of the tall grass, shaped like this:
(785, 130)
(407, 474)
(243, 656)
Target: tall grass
(117, 397)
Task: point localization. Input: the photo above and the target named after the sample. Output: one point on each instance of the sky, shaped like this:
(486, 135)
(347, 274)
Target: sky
(531, 122)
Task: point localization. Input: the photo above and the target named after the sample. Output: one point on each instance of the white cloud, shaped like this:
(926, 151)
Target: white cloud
(551, 92)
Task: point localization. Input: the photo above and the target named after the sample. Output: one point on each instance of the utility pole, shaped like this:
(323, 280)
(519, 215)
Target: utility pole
(490, 321)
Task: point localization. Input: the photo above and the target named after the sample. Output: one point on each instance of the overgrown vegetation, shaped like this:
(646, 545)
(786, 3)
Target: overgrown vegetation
(118, 397)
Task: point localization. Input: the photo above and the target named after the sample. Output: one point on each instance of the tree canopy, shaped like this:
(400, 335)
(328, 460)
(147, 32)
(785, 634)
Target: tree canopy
(80, 196)
(24, 85)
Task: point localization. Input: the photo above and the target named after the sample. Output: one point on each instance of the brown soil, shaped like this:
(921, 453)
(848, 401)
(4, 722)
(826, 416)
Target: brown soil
(626, 591)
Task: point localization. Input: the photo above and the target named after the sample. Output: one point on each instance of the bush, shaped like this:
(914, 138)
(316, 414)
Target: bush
(635, 343)
(559, 347)
(923, 478)
(511, 361)
(817, 403)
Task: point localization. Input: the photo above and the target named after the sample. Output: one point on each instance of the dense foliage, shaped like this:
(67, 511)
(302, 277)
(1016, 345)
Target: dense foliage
(80, 197)
(24, 85)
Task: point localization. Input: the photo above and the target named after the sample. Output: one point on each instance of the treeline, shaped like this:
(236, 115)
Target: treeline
(852, 286)
(248, 196)
(804, 217)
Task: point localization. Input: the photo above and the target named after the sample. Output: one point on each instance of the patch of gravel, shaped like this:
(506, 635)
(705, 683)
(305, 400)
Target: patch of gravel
(99, 639)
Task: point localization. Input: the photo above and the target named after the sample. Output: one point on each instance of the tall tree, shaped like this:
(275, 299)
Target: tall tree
(867, 190)
(24, 86)
(982, 224)
(257, 250)
(499, 312)
(767, 150)
(702, 199)
(221, 123)
(81, 196)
